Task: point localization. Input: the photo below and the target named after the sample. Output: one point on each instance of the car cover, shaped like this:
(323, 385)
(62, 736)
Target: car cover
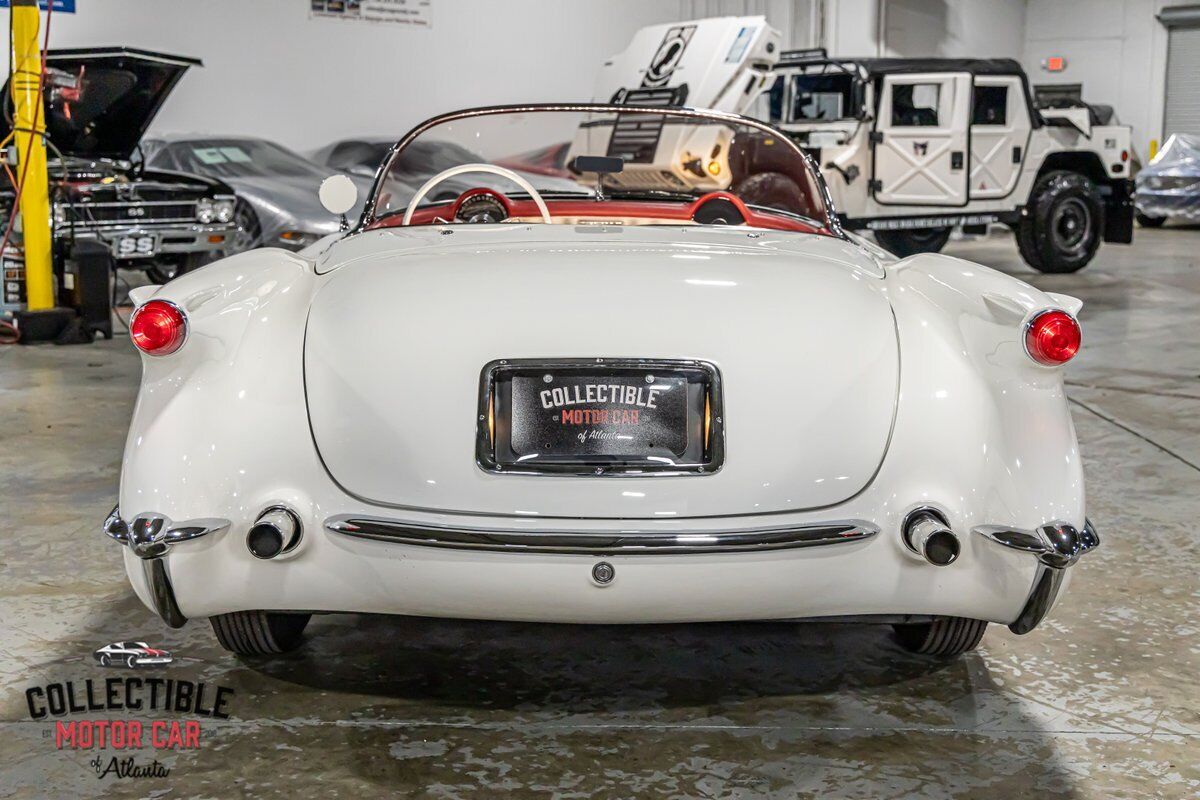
(1170, 185)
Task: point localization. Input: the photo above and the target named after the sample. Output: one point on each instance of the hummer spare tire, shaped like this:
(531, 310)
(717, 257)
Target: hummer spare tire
(909, 242)
(1060, 228)
(772, 190)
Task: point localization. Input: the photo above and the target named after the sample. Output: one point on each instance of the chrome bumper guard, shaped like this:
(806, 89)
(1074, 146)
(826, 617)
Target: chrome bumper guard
(596, 543)
(1057, 547)
(150, 536)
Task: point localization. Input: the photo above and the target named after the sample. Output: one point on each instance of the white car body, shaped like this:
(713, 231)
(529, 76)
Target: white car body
(342, 383)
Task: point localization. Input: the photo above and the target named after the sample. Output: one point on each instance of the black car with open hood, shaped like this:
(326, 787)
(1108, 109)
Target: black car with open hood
(99, 102)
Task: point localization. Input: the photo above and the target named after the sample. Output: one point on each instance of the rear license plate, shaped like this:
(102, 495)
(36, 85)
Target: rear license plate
(600, 417)
(142, 245)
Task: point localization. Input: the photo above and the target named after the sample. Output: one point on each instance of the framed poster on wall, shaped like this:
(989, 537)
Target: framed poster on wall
(414, 13)
(60, 6)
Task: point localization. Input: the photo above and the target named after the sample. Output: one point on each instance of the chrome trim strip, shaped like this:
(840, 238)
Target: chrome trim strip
(595, 542)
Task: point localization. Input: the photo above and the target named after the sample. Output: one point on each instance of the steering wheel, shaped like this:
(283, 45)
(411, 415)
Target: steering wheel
(428, 186)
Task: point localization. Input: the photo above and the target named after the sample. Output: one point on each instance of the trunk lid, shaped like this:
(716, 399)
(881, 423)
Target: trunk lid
(798, 326)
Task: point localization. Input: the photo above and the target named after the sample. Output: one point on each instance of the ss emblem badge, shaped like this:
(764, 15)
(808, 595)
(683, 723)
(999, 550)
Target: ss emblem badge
(141, 245)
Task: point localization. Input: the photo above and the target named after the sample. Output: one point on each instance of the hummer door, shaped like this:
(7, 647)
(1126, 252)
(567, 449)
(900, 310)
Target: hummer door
(921, 139)
(999, 135)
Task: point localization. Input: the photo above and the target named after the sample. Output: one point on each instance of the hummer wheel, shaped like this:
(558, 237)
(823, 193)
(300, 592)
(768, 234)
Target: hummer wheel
(1061, 225)
(906, 243)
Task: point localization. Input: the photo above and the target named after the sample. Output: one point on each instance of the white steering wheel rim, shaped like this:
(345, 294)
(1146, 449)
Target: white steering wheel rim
(490, 168)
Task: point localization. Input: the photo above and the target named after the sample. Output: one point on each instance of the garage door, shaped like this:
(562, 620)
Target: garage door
(1183, 82)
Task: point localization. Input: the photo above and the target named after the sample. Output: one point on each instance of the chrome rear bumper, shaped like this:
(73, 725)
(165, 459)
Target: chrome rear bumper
(150, 537)
(1057, 547)
(590, 543)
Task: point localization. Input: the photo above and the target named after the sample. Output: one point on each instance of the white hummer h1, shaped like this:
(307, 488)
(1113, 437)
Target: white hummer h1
(910, 148)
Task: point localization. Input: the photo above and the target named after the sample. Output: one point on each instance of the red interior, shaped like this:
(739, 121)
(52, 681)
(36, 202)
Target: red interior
(667, 211)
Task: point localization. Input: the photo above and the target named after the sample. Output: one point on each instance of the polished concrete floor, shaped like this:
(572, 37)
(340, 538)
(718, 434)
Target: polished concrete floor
(1103, 701)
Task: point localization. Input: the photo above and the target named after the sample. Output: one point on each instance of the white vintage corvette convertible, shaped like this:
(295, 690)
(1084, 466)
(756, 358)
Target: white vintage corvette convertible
(628, 394)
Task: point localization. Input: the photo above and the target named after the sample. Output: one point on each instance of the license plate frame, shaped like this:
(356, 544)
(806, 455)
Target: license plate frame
(701, 453)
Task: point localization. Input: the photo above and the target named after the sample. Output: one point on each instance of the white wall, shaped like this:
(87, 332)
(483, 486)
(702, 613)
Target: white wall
(954, 28)
(914, 28)
(272, 71)
(796, 20)
(1116, 48)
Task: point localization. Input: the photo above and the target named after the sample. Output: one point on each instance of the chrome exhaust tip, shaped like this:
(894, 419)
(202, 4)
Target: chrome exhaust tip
(276, 531)
(928, 535)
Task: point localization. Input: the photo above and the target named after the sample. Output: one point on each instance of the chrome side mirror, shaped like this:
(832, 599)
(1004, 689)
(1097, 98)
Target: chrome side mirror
(338, 194)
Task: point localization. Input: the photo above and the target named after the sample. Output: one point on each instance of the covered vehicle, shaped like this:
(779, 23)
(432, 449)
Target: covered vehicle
(613, 404)
(1169, 187)
(276, 187)
(99, 103)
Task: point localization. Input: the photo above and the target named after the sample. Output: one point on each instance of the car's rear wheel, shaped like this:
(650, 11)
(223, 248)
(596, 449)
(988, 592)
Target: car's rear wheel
(259, 633)
(1061, 226)
(1147, 221)
(105, 660)
(944, 636)
(915, 240)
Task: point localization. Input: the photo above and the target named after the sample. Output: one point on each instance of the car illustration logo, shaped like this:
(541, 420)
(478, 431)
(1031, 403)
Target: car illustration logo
(131, 655)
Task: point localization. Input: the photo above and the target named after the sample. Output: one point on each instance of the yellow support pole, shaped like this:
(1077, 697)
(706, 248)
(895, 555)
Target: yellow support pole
(29, 126)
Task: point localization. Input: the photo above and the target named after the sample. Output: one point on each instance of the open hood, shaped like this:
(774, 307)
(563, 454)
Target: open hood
(100, 101)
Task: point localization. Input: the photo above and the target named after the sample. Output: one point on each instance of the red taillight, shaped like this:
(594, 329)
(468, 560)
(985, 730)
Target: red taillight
(158, 328)
(1052, 338)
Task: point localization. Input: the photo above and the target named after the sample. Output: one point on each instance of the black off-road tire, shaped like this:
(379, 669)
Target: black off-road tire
(915, 240)
(772, 190)
(1061, 227)
(945, 636)
(166, 271)
(1147, 221)
(259, 633)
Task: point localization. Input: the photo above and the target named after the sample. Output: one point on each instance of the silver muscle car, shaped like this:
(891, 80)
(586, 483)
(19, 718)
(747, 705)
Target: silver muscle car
(276, 188)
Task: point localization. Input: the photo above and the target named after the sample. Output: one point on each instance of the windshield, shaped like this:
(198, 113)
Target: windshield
(236, 158)
(804, 97)
(579, 164)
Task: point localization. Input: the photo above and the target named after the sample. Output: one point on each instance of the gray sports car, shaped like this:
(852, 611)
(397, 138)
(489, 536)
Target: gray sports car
(276, 188)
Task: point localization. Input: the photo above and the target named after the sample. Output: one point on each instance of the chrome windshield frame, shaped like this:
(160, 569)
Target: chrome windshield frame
(832, 221)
